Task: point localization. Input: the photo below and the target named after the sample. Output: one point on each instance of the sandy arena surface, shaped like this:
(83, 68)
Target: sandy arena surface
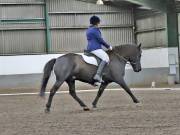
(157, 114)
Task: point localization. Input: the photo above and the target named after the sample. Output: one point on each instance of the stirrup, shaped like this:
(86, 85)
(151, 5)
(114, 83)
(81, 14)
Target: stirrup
(95, 84)
(98, 80)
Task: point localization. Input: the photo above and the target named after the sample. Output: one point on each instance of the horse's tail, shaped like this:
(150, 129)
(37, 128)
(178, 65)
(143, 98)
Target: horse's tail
(47, 72)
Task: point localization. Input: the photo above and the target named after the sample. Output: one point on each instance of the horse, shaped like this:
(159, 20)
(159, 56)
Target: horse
(71, 67)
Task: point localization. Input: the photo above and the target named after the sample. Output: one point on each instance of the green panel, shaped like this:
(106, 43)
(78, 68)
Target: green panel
(172, 24)
(48, 35)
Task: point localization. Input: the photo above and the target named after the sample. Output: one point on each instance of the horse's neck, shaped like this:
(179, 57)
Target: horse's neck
(122, 56)
(122, 63)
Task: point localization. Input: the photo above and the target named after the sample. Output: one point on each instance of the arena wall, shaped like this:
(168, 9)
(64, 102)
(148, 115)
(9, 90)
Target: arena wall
(25, 71)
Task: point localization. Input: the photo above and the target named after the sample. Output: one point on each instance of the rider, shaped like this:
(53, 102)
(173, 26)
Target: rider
(95, 43)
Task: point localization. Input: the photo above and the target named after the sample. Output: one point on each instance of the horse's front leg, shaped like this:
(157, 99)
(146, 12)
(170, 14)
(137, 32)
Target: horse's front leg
(100, 92)
(123, 84)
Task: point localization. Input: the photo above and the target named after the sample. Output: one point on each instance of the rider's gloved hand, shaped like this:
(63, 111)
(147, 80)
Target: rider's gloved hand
(110, 48)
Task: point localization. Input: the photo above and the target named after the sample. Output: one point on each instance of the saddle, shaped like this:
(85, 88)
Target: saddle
(89, 54)
(94, 58)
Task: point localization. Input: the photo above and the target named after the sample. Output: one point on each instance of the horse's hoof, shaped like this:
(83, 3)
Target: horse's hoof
(136, 101)
(42, 95)
(94, 106)
(86, 109)
(47, 110)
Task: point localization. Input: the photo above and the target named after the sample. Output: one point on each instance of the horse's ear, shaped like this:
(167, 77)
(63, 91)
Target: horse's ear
(139, 46)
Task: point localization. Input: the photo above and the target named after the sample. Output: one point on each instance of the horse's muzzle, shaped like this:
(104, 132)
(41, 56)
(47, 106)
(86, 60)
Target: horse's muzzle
(137, 70)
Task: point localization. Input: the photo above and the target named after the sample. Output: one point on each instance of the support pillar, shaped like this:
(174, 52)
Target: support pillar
(47, 23)
(172, 40)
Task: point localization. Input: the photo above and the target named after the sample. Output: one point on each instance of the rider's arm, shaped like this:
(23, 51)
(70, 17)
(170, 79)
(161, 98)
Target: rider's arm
(100, 39)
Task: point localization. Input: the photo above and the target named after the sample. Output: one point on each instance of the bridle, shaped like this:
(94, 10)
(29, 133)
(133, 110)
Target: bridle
(124, 59)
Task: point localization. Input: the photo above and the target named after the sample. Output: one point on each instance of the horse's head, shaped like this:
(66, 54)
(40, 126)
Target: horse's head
(129, 53)
(135, 58)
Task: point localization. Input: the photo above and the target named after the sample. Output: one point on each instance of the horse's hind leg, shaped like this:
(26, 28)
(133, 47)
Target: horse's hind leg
(72, 92)
(52, 93)
(100, 92)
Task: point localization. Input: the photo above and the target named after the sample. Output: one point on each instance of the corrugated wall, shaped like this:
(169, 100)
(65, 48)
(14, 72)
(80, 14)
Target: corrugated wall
(22, 42)
(179, 25)
(70, 19)
(75, 5)
(74, 40)
(151, 29)
(22, 27)
(178, 6)
(21, 1)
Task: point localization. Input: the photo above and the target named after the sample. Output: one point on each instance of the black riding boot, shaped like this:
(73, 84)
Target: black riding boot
(98, 76)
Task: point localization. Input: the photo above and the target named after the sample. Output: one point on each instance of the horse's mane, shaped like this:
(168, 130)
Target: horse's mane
(120, 48)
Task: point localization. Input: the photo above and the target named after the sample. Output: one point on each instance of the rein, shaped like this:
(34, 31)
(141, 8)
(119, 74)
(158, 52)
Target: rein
(124, 59)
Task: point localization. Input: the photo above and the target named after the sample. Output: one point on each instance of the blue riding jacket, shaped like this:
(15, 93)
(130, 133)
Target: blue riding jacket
(95, 40)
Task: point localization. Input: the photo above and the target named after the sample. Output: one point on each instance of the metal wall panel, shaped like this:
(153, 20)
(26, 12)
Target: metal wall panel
(121, 18)
(21, 11)
(118, 36)
(73, 5)
(22, 42)
(178, 6)
(151, 22)
(63, 20)
(140, 13)
(17, 18)
(25, 25)
(82, 6)
(151, 29)
(68, 40)
(179, 26)
(108, 19)
(153, 39)
(82, 19)
(179, 22)
(70, 19)
(21, 1)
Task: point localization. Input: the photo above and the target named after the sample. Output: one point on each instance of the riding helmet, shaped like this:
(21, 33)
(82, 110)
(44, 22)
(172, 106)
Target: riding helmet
(94, 20)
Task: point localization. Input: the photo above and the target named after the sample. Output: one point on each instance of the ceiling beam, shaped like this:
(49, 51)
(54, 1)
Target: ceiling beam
(153, 4)
(149, 4)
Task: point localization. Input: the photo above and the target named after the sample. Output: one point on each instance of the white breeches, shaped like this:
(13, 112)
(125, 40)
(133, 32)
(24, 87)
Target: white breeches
(101, 54)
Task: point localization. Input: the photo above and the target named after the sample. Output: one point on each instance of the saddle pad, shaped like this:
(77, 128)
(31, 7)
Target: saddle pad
(89, 59)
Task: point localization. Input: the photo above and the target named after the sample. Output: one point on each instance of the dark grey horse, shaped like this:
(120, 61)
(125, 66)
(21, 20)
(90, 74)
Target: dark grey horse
(71, 67)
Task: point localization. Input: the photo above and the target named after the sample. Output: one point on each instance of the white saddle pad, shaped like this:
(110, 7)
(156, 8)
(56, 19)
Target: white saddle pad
(90, 60)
